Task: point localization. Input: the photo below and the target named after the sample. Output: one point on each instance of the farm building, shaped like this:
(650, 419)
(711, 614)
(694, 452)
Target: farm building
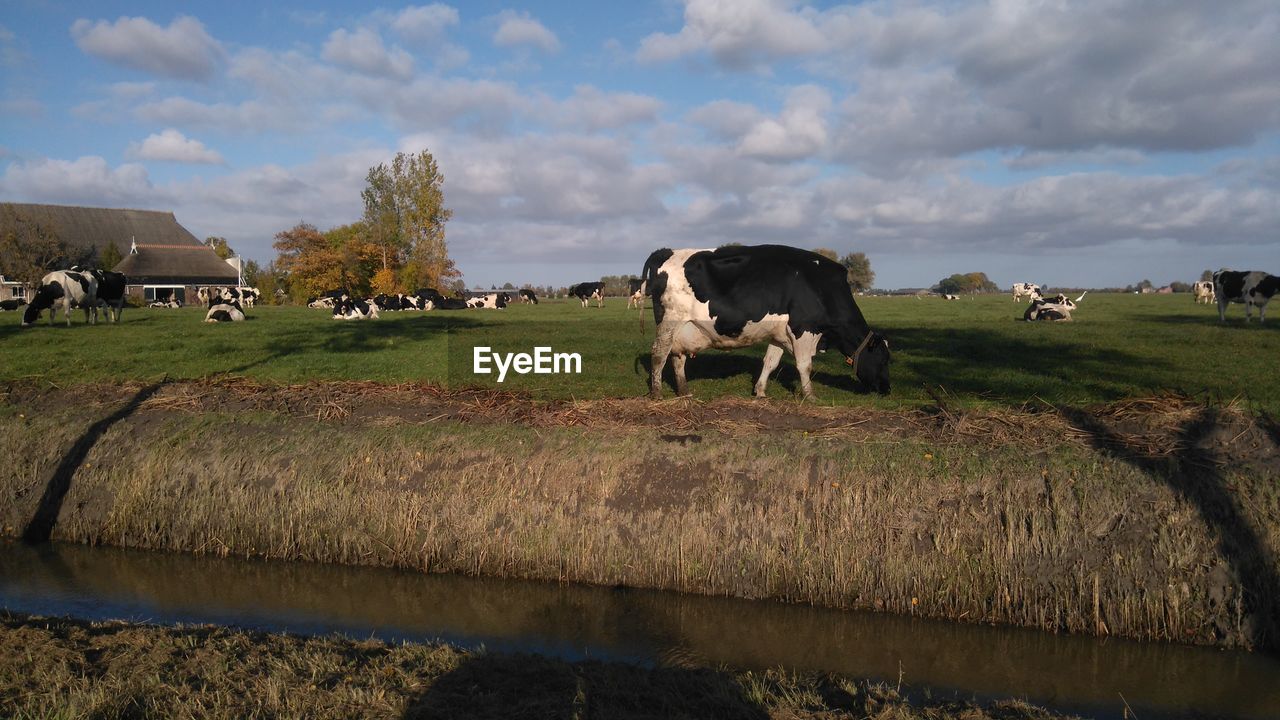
(161, 257)
(11, 289)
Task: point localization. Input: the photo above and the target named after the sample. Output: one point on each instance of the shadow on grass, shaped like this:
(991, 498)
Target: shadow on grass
(722, 365)
(528, 686)
(1194, 473)
(40, 528)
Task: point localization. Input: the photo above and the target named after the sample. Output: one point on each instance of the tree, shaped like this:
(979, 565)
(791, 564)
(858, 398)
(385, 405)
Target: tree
(827, 253)
(967, 283)
(220, 247)
(860, 275)
(29, 247)
(252, 273)
(1179, 287)
(110, 257)
(405, 215)
(1206, 276)
(316, 262)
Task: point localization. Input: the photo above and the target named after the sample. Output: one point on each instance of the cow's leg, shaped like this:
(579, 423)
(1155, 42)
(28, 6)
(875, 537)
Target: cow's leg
(805, 347)
(682, 383)
(1222, 310)
(1248, 310)
(772, 357)
(661, 349)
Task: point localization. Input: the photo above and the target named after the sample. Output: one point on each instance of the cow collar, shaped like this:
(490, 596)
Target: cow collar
(852, 360)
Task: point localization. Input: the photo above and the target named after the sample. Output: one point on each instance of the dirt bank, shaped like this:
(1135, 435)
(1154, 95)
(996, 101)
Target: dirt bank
(66, 668)
(1154, 519)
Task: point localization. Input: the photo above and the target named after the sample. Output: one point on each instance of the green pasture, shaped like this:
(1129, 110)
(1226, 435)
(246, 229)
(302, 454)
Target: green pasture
(976, 349)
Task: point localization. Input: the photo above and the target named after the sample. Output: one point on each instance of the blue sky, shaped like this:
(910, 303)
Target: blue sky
(1095, 143)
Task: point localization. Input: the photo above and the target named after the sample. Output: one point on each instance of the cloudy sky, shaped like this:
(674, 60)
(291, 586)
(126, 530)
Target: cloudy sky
(1087, 143)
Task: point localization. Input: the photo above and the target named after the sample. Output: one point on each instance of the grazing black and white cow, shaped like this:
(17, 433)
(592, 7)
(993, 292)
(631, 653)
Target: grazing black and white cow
(11, 305)
(635, 293)
(492, 301)
(588, 291)
(1027, 289)
(445, 303)
(224, 311)
(1251, 287)
(1203, 292)
(736, 296)
(64, 289)
(349, 309)
(527, 296)
(111, 293)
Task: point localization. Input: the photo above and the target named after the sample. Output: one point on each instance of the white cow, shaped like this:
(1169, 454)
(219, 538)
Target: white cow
(1027, 289)
(64, 289)
(1203, 292)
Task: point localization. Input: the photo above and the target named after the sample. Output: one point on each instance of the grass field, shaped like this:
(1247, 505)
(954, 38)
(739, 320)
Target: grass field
(977, 350)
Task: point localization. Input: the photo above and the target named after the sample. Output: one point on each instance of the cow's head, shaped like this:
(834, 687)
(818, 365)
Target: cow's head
(871, 364)
(44, 298)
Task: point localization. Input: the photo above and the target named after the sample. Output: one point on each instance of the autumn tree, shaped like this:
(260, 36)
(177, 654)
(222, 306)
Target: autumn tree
(858, 268)
(29, 246)
(827, 253)
(315, 262)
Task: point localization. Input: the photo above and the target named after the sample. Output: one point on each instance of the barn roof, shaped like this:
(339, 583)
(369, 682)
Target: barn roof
(176, 265)
(167, 252)
(86, 227)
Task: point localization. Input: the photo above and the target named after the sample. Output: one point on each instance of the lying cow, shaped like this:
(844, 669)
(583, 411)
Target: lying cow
(11, 305)
(736, 296)
(444, 303)
(527, 296)
(224, 311)
(165, 304)
(1026, 289)
(1203, 292)
(492, 301)
(636, 296)
(349, 309)
(64, 289)
(1251, 287)
(1057, 308)
(588, 291)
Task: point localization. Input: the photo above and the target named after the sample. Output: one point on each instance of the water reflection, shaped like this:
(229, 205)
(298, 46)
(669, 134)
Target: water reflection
(1074, 674)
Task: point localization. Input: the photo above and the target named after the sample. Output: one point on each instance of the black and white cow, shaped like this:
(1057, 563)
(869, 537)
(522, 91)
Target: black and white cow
(444, 303)
(327, 299)
(736, 296)
(11, 305)
(635, 293)
(171, 303)
(1027, 289)
(224, 311)
(588, 291)
(64, 289)
(111, 293)
(349, 309)
(1203, 292)
(1251, 287)
(527, 296)
(1057, 308)
(492, 301)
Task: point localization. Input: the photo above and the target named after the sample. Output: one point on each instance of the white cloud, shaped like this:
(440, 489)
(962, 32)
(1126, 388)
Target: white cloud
(522, 29)
(424, 23)
(172, 146)
(738, 33)
(362, 50)
(593, 109)
(800, 131)
(88, 180)
(182, 50)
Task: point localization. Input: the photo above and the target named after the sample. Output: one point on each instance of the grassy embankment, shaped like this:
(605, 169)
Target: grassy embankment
(64, 668)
